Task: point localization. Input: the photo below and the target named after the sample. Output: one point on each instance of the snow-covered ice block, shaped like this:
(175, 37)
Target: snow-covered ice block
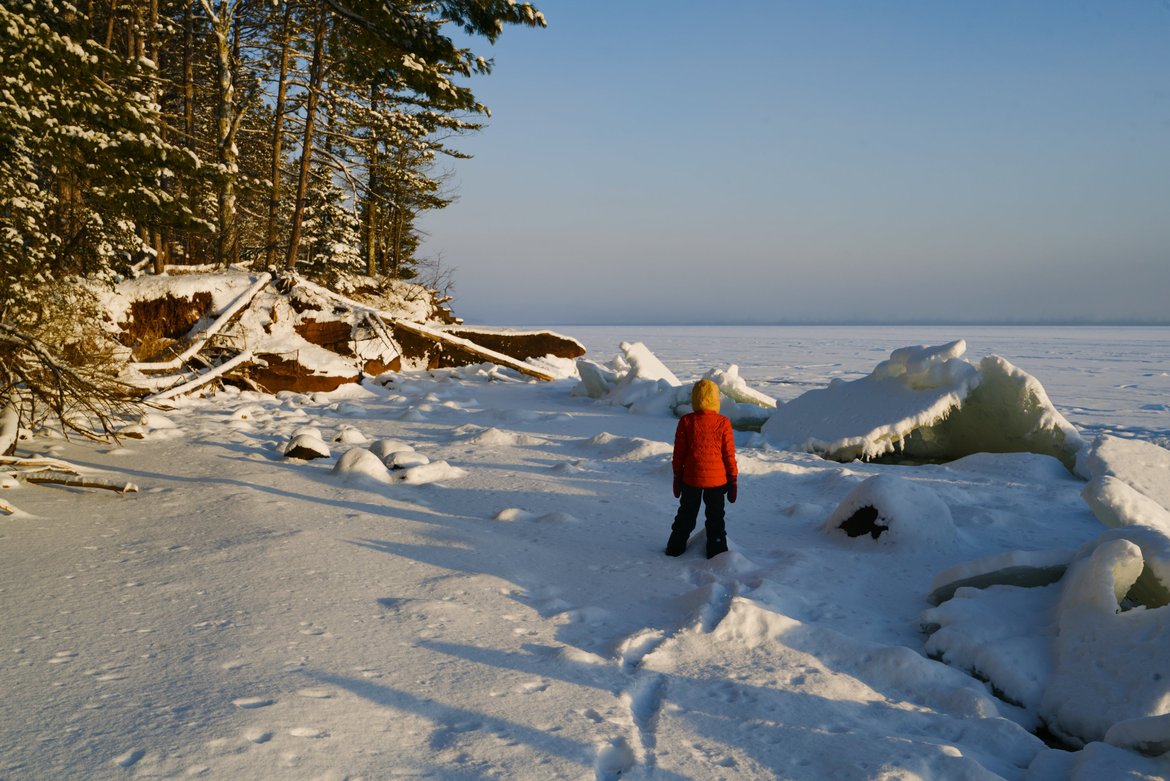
(893, 511)
(1001, 634)
(1111, 665)
(1129, 489)
(927, 403)
(736, 388)
(1149, 735)
(1027, 569)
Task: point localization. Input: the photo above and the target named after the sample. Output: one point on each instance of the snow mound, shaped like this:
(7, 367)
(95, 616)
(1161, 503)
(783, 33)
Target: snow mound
(614, 448)
(431, 473)
(734, 387)
(384, 447)
(152, 425)
(893, 511)
(494, 437)
(307, 446)
(926, 403)
(405, 459)
(360, 464)
(349, 435)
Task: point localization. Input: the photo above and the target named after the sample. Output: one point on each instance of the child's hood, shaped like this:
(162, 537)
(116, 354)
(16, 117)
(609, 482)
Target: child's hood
(705, 396)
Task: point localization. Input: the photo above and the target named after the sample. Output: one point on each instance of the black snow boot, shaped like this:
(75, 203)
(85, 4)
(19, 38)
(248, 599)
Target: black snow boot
(677, 544)
(715, 546)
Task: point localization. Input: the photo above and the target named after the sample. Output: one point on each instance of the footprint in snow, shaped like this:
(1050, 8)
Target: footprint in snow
(250, 703)
(130, 758)
(308, 732)
(316, 693)
(614, 757)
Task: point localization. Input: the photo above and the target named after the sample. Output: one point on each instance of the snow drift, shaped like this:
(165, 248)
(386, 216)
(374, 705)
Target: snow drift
(926, 404)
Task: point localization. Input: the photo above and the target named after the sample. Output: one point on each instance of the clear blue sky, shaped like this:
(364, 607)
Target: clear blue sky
(667, 161)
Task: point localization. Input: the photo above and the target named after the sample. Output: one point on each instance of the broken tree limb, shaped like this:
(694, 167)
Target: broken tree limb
(78, 481)
(202, 379)
(482, 352)
(224, 318)
(383, 332)
(39, 463)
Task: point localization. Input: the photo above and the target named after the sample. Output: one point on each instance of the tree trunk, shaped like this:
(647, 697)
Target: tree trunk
(371, 226)
(278, 137)
(316, 71)
(222, 26)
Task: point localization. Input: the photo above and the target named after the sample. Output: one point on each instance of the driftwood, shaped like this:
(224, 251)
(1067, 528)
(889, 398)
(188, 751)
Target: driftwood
(442, 338)
(38, 463)
(204, 378)
(6, 508)
(77, 481)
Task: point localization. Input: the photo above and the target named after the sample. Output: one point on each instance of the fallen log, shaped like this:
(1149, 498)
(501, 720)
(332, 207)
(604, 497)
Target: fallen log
(77, 481)
(202, 379)
(439, 337)
(226, 317)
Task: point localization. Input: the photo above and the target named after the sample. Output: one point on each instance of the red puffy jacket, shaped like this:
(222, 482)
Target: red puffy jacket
(704, 450)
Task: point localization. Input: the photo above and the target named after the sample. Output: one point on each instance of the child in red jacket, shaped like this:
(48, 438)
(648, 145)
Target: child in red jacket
(704, 470)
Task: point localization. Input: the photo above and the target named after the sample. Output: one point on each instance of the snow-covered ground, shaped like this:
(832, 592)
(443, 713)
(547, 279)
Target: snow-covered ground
(505, 610)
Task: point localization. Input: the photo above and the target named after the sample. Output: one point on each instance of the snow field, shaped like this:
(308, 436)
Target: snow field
(249, 615)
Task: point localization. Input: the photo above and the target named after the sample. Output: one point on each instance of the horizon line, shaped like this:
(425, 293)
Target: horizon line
(851, 323)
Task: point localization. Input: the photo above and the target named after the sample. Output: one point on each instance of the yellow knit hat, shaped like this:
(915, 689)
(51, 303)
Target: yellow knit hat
(705, 396)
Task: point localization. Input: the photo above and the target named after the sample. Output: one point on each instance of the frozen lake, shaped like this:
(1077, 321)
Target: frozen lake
(1112, 379)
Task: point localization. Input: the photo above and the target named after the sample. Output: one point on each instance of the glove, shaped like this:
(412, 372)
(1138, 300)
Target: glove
(732, 491)
(677, 484)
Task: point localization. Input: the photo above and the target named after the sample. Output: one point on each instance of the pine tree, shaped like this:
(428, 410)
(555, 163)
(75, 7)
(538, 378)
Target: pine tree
(85, 185)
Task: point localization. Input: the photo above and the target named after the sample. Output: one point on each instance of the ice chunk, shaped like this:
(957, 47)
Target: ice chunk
(1027, 569)
(1111, 666)
(736, 388)
(1001, 634)
(898, 512)
(644, 365)
(1129, 490)
(871, 417)
(926, 403)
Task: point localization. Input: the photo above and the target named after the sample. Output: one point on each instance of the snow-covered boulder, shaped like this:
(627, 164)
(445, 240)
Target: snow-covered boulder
(306, 446)
(926, 403)
(384, 447)
(895, 512)
(360, 464)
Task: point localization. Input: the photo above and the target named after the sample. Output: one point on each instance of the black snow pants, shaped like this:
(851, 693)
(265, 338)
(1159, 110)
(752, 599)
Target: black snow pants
(688, 511)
